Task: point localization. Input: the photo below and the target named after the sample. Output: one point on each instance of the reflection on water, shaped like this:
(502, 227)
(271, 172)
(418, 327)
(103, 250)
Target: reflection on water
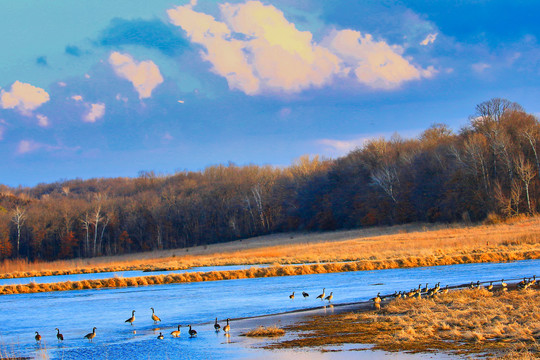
(76, 312)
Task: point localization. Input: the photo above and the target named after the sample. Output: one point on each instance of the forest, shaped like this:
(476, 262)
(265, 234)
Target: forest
(488, 169)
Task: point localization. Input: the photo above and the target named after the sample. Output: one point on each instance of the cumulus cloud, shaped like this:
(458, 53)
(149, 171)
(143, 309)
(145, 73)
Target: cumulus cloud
(256, 49)
(144, 75)
(77, 97)
(43, 121)
(23, 97)
(95, 112)
(374, 63)
(430, 39)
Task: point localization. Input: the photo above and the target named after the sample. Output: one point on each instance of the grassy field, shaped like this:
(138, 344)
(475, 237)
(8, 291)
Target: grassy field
(468, 322)
(376, 248)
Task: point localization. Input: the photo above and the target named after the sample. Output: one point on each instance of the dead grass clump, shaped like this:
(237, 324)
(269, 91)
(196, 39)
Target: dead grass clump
(262, 331)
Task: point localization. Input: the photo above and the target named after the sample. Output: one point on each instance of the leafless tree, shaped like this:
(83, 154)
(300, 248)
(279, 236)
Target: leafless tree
(18, 218)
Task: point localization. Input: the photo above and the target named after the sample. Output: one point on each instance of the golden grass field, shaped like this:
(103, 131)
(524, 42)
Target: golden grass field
(368, 249)
(467, 322)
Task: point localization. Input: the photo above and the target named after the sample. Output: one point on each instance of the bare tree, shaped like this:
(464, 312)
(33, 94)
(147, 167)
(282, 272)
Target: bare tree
(86, 226)
(18, 218)
(525, 173)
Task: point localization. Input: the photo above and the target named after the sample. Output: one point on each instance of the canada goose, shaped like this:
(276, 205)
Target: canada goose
(37, 337)
(522, 282)
(91, 335)
(398, 296)
(445, 290)
(330, 297)
(305, 294)
(192, 332)
(59, 336)
(227, 327)
(132, 318)
(478, 286)
(160, 336)
(503, 284)
(533, 281)
(291, 296)
(426, 288)
(321, 296)
(377, 299)
(217, 326)
(176, 333)
(490, 286)
(154, 316)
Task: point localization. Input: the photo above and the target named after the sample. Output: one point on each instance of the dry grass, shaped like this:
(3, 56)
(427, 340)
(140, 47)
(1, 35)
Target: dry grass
(262, 331)
(376, 248)
(501, 324)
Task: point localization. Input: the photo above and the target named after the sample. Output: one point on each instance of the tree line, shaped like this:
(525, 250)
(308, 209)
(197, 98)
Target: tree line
(491, 166)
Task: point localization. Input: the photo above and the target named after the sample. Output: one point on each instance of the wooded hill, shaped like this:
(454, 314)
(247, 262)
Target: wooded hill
(489, 167)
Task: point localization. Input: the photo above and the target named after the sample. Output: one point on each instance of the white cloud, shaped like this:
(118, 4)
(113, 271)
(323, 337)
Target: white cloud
(256, 49)
(77, 97)
(43, 121)
(23, 97)
(96, 112)
(144, 75)
(62, 84)
(26, 146)
(342, 147)
(374, 63)
(430, 39)
(480, 67)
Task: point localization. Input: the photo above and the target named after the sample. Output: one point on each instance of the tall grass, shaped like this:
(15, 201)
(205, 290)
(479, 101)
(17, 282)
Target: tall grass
(396, 246)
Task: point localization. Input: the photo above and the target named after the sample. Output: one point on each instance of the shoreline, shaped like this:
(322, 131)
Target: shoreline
(275, 271)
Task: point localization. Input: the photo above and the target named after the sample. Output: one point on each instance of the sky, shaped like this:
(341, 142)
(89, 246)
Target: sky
(111, 88)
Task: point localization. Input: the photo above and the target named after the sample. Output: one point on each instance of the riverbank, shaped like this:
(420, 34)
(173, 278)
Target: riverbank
(471, 322)
(434, 244)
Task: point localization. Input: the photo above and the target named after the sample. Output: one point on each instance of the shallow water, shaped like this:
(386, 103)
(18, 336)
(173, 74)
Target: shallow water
(76, 312)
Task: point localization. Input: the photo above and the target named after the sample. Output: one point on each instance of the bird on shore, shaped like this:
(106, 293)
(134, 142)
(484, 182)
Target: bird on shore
(445, 290)
(192, 332)
(377, 299)
(132, 318)
(503, 284)
(59, 336)
(329, 297)
(321, 296)
(291, 296)
(426, 288)
(490, 286)
(217, 326)
(91, 335)
(176, 333)
(305, 294)
(160, 336)
(227, 327)
(154, 316)
(37, 337)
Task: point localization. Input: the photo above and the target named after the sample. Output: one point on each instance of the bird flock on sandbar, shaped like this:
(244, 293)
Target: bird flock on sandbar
(156, 319)
(321, 296)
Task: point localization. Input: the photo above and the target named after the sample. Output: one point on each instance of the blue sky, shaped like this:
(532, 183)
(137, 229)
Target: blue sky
(108, 89)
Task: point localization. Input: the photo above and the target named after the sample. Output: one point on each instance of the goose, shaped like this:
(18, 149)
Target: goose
(478, 286)
(445, 290)
(132, 318)
(176, 333)
(227, 327)
(490, 286)
(503, 284)
(426, 288)
(37, 337)
(398, 295)
(533, 281)
(192, 332)
(522, 282)
(329, 297)
(377, 299)
(154, 316)
(291, 296)
(217, 326)
(91, 335)
(305, 294)
(59, 336)
(321, 296)
(160, 336)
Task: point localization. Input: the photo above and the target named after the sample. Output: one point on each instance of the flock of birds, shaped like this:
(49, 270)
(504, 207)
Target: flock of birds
(176, 333)
(413, 293)
(321, 296)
